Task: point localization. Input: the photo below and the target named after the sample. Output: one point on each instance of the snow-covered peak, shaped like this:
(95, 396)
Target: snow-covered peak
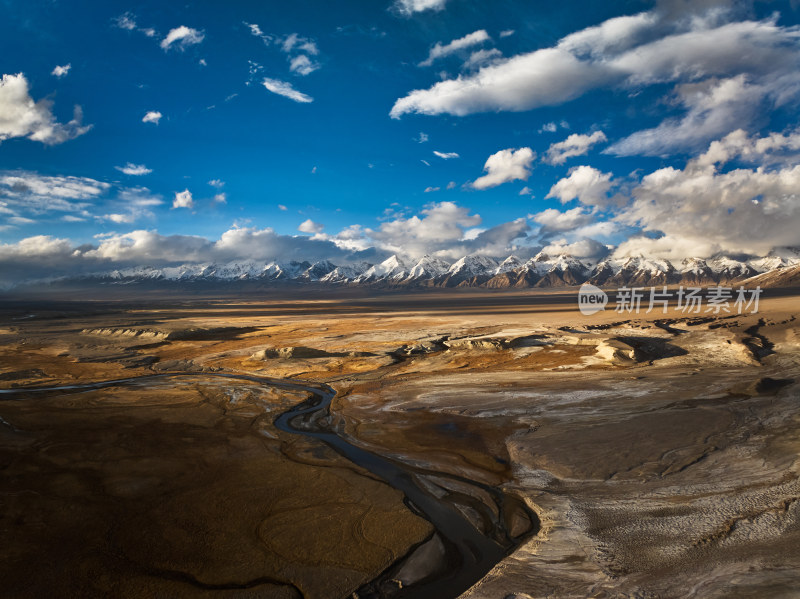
(428, 267)
(392, 268)
(473, 265)
(509, 264)
(344, 274)
(318, 270)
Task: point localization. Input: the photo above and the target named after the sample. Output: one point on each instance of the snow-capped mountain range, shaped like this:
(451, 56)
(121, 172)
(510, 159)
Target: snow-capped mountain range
(542, 270)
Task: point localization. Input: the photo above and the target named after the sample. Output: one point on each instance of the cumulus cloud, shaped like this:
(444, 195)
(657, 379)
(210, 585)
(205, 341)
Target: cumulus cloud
(152, 116)
(575, 145)
(584, 183)
(446, 155)
(409, 7)
(285, 89)
(183, 199)
(61, 71)
(221, 198)
(504, 166)
(584, 249)
(431, 189)
(703, 209)
(724, 70)
(775, 148)
(21, 116)
(442, 229)
(134, 169)
(218, 183)
(556, 221)
(182, 37)
(440, 225)
(309, 226)
(440, 50)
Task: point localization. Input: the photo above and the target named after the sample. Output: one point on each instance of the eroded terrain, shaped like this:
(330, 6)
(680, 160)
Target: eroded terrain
(659, 451)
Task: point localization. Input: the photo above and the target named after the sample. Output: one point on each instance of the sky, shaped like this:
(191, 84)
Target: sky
(150, 133)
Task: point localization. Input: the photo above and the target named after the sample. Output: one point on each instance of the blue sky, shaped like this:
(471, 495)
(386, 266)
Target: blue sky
(415, 126)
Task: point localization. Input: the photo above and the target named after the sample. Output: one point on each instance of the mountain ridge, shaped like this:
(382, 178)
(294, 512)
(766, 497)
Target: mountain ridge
(474, 270)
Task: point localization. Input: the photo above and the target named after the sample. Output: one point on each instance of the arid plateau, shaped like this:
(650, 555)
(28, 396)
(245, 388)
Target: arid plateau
(332, 444)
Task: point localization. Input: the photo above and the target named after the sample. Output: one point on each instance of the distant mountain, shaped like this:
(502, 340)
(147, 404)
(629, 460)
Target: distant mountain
(781, 267)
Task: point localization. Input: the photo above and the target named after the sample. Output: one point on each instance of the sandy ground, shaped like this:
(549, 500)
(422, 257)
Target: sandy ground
(659, 450)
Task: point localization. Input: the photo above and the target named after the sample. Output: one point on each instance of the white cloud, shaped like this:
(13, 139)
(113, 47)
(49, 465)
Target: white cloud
(575, 145)
(218, 183)
(39, 194)
(703, 209)
(299, 51)
(120, 218)
(132, 204)
(126, 21)
(257, 32)
(431, 189)
(283, 88)
(409, 7)
(771, 149)
(712, 109)
(504, 166)
(541, 78)
(481, 58)
(20, 116)
(526, 191)
(441, 227)
(584, 183)
(507, 32)
(182, 37)
(302, 65)
(726, 72)
(183, 199)
(583, 249)
(221, 198)
(282, 208)
(422, 138)
(309, 226)
(134, 169)
(293, 42)
(556, 221)
(61, 71)
(440, 50)
(152, 116)
(451, 185)
(446, 155)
